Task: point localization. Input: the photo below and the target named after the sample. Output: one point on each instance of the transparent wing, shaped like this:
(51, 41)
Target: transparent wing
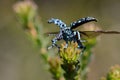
(92, 34)
(87, 34)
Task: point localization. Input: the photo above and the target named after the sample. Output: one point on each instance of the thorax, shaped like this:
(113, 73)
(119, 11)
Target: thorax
(68, 34)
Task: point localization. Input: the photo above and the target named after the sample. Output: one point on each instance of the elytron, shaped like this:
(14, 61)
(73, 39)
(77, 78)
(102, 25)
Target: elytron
(68, 34)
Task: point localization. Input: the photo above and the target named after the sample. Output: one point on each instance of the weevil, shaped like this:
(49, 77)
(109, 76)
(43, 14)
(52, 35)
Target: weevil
(68, 34)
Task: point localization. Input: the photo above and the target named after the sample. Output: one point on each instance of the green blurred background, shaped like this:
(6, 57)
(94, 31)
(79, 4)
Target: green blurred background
(20, 59)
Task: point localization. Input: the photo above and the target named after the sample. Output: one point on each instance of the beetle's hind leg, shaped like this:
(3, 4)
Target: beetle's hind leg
(79, 41)
(81, 46)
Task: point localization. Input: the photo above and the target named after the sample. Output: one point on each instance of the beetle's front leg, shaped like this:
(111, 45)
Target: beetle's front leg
(66, 45)
(54, 43)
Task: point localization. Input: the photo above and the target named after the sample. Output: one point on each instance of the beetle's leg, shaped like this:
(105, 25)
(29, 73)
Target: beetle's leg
(54, 43)
(58, 37)
(79, 37)
(80, 46)
(79, 41)
(66, 45)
